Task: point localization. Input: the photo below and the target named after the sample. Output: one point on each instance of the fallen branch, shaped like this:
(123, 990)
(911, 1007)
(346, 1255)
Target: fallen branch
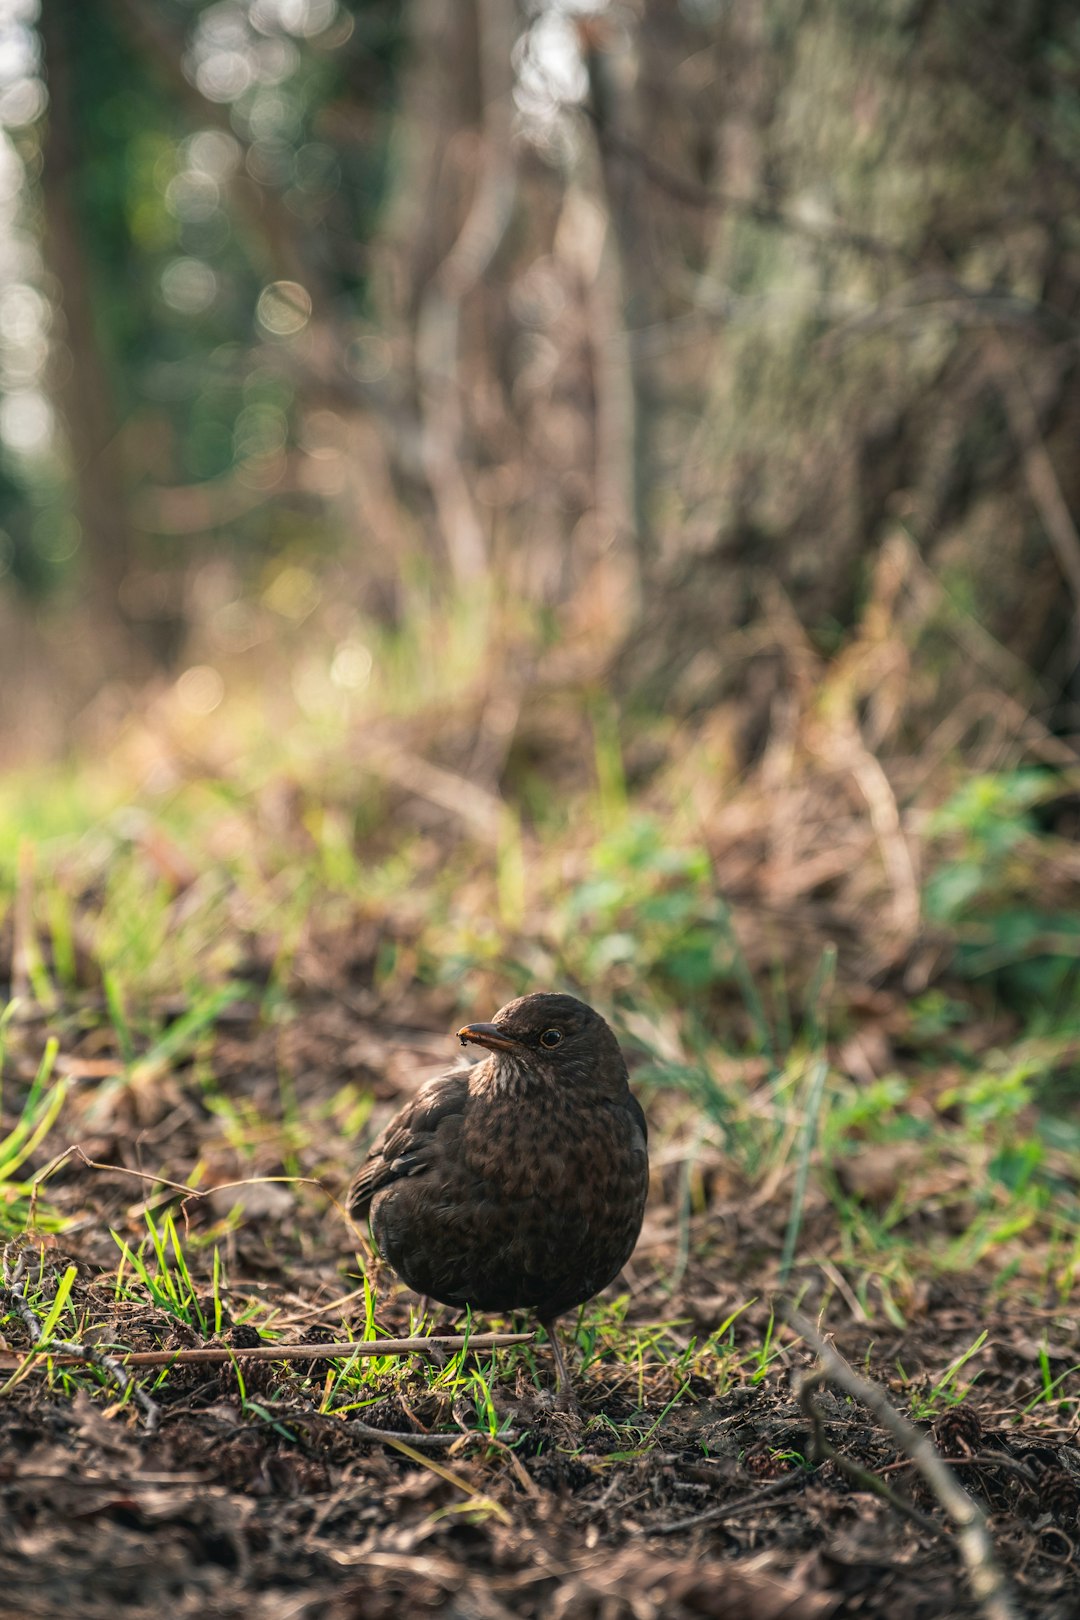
(70, 1355)
(985, 1576)
(65, 1351)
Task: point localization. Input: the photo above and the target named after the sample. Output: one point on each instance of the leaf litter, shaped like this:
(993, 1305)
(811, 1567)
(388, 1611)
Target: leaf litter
(919, 1221)
(686, 1486)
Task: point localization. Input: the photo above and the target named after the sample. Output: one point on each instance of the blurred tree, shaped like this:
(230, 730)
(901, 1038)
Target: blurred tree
(679, 318)
(209, 185)
(102, 305)
(785, 282)
(892, 258)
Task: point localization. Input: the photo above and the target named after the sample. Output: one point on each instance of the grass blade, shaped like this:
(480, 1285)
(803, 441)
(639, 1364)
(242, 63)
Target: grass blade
(59, 1301)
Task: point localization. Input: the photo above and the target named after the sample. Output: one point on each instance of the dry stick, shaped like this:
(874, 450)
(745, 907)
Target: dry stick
(76, 1151)
(70, 1353)
(864, 1478)
(423, 1442)
(219, 1354)
(734, 1510)
(985, 1576)
(365, 1431)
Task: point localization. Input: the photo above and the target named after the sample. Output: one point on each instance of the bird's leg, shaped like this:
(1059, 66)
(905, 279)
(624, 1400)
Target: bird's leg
(563, 1383)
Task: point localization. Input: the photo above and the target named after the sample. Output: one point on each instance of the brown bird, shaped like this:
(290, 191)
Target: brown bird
(519, 1183)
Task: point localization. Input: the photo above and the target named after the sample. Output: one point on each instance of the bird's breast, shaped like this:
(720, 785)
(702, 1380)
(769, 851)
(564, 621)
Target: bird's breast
(547, 1148)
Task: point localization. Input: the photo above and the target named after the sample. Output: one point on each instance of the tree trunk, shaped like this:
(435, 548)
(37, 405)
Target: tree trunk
(81, 386)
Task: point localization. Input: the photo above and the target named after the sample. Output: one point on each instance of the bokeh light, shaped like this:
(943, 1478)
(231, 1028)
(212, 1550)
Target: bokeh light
(26, 421)
(189, 285)
(200, 689)
(351, 666)
(305, 18)
(284, 308)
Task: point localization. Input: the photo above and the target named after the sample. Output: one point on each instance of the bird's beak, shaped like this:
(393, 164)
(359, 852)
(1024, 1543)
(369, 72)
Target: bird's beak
(487, 1035)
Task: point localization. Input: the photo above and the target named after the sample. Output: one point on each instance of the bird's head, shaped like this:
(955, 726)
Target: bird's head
(550, 1039)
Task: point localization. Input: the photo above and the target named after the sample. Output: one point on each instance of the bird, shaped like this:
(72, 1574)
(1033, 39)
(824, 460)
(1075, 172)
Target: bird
(518, 1183)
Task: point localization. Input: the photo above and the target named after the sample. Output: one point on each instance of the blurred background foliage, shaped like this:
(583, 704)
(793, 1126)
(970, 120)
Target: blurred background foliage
(496, 397)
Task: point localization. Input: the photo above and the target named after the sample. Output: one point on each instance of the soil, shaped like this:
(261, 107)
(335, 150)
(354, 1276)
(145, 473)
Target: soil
(668, 1494)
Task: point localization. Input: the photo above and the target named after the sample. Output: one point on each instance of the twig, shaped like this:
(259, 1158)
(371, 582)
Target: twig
(875, 787)
(1043, 483)
(985, 1576)
(864, 1478)
(70, 1352)
(435, 1442)
(78, 1152)
(158, 1180)
(220, 1353)
(733, 1510)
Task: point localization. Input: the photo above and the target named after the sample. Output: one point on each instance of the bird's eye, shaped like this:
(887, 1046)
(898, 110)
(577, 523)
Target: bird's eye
(551, 1037)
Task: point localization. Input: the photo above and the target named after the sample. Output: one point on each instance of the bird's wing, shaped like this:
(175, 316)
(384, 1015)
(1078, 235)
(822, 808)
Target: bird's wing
(401, 1150)
(638, 1115)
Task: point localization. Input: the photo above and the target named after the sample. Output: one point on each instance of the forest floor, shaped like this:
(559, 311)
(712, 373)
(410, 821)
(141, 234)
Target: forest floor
(219, 994)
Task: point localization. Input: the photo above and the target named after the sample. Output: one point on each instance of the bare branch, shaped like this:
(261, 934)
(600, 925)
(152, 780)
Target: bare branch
(985, 1576)
(218, 1354)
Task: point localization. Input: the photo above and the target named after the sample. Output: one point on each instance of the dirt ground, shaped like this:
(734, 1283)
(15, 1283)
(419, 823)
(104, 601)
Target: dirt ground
(677, 1490)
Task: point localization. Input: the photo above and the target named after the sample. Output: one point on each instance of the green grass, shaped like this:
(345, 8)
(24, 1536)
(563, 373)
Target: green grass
(947, 1390)
(37, 1115)
(154, 915)
(167, 1282)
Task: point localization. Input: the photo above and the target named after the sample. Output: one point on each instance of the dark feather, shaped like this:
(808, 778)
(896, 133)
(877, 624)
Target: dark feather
(402, 1149)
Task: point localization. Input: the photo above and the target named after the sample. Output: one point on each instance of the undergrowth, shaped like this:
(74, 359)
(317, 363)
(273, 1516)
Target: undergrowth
(144, 924)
